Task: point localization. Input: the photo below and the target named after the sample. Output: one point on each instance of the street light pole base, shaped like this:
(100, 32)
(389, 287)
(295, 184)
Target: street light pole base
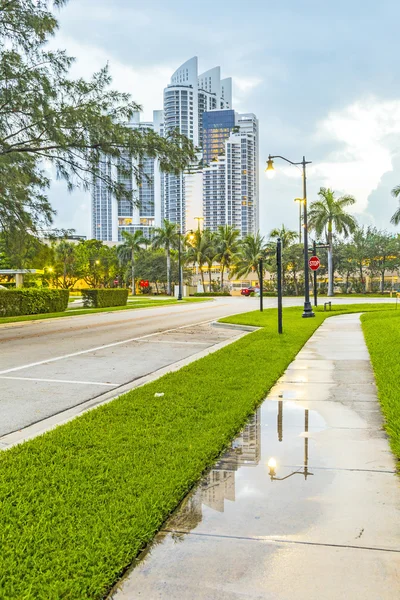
(308, 312)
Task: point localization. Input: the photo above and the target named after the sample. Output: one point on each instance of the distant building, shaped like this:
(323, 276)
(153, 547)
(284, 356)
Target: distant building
(186, 98)
(111, 217)
(220, 188)
(230, 189)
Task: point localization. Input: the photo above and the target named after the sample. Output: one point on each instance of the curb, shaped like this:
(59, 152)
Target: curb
(31, 431)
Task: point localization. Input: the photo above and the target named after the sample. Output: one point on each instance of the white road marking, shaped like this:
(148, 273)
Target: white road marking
(61, 381)
(176, 342)
(112, 345)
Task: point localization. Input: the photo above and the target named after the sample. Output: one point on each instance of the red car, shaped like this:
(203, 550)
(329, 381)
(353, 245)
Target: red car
(249, 290)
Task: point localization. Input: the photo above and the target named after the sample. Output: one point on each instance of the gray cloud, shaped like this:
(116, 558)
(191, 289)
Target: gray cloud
(311, 58)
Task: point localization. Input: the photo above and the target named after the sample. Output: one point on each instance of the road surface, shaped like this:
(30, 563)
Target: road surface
(47, 367)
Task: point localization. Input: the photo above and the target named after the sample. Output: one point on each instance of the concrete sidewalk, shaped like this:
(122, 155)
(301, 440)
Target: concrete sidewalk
(323, 525)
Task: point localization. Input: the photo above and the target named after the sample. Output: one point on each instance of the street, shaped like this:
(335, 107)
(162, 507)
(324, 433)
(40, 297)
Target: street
(49, 366)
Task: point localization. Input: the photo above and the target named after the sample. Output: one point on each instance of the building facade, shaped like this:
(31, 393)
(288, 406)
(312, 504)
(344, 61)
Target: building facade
(187, 97)
(230, 190)
(144, 212)
(220, 188)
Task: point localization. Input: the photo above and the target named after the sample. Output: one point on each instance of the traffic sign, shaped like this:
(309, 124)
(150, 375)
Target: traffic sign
(314, 263)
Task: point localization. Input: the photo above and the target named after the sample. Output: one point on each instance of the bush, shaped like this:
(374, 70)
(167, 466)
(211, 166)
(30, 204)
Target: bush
(211, 294)
(17, 302)
(105, 297)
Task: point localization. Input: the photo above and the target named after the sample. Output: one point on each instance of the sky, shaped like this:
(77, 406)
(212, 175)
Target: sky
(322, 77)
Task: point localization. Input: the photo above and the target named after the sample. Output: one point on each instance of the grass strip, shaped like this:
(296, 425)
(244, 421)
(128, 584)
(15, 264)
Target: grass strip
(382, 334)
(76, 311)
(78, 503)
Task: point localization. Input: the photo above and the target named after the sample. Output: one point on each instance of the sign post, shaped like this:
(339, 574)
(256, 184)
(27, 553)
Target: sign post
(314, 263)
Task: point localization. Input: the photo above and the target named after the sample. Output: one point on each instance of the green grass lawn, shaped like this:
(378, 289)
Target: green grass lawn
(382, 334)
(78, 503)
(76, 310)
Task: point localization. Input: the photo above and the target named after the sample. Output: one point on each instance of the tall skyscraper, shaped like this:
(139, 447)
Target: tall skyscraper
(220, 188)
(111, 217)
(187, 97)
(230, 191)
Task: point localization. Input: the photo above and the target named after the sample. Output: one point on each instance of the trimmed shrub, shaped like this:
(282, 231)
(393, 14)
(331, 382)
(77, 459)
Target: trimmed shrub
(33, 301)
(211, 294)
(102, 298)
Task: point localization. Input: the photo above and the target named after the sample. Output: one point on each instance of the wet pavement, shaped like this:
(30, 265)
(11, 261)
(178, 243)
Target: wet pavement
(304, 504)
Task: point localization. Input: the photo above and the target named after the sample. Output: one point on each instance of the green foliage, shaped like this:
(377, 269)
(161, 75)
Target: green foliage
(73, 124)
(101, 298)
(166, 237)
(287, 236)
(32, 301)
(382, 334)
(250, 252)
(86, 497)
(396, 216)
(226, 248)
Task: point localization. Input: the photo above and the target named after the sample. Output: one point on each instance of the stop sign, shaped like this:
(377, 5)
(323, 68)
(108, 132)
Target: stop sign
(314, 263)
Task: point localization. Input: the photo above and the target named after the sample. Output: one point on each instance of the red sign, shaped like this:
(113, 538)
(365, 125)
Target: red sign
(144, 283)
(314, 263)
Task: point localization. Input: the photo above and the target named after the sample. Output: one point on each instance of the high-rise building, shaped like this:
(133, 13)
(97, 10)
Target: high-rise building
(230, 189)
(104, 208)
(111, 217)
(187, 97)
(221, 188)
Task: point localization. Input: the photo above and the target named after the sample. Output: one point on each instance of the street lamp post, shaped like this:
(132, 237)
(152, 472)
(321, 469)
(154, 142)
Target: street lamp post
(308, 312)
(179, 267)
(300, 201)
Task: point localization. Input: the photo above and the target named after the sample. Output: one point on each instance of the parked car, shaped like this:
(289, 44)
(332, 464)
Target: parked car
(249, 290)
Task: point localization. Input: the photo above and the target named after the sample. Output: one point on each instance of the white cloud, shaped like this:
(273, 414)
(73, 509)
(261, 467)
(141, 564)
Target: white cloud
(145, 85)
(367, 133)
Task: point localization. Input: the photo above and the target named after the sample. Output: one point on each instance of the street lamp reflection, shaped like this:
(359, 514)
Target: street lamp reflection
(272, 464)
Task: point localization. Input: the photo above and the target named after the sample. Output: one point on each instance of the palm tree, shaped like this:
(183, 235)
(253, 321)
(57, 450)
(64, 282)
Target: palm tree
(133, 243)
(327, 215)
(166, 237)
(226, 244)
(287, 235)
(65, 252)
(251, 251)
(198, 246)
(396, 217)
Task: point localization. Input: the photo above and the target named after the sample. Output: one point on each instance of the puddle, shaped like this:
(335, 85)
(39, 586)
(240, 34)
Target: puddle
(241, 495)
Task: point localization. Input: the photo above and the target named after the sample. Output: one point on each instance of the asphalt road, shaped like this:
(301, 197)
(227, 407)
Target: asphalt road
(49, 366)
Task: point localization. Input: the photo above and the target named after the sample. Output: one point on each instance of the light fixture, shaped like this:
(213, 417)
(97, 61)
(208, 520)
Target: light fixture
(270, 171)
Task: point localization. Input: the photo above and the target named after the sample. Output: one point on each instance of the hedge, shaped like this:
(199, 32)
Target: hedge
(211, 294)
(32, 301)
(105, 297)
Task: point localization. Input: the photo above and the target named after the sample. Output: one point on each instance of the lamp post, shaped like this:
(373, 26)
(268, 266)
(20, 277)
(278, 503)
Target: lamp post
(300, 201)
(179, 266)
(308, 312)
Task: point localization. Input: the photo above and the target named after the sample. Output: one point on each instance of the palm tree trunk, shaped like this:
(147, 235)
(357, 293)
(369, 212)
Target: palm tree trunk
(202, 279)
(222, 278)
(382, 281)
(210, 278)
(133, 274)
(168, 272)
(361, 276)
(330, 264)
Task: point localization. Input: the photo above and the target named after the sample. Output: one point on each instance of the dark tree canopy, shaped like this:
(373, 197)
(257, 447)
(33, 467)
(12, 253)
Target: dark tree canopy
(48, 118)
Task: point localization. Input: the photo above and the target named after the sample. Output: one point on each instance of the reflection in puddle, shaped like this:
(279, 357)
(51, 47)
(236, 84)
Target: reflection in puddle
(219, 484)
(272, 464)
